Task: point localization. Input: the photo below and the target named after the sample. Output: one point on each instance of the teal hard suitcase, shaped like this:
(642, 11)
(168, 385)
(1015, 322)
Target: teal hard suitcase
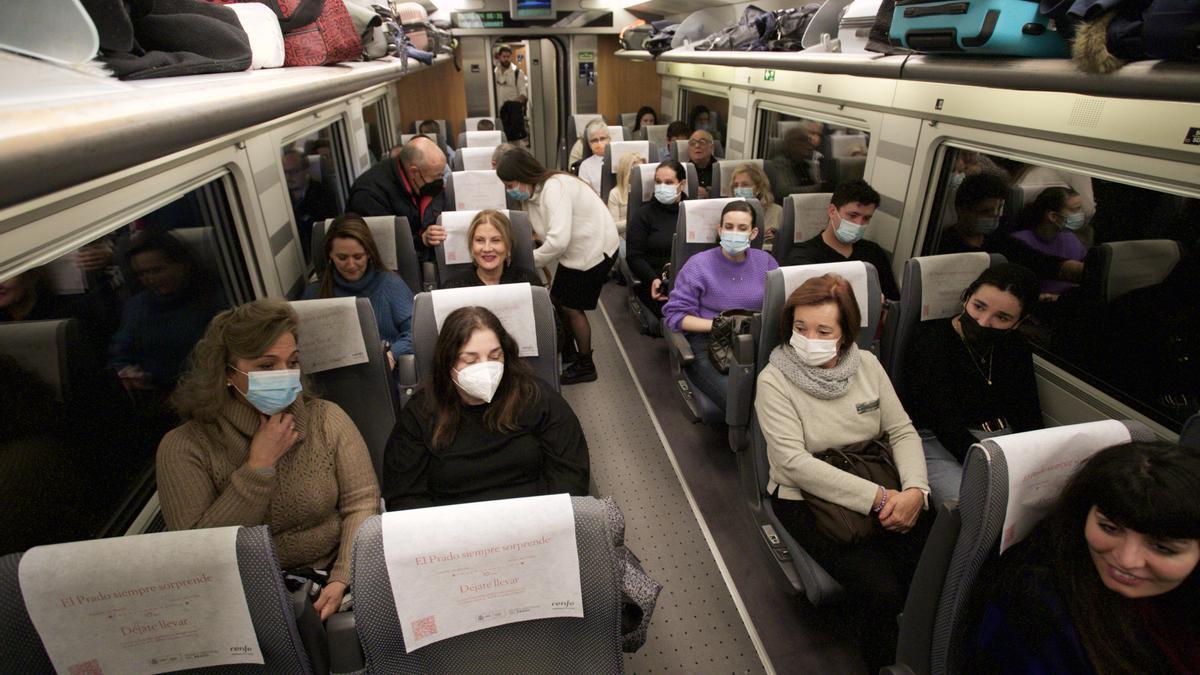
(988, 27)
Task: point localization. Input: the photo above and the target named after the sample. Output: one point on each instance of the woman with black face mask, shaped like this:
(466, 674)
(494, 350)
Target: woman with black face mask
(970, 377)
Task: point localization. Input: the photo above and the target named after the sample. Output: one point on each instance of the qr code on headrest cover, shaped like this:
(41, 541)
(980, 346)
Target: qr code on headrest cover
(424, 627)
(86, 668)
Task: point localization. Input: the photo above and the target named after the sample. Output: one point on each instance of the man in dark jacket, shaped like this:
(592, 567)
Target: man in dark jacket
(409, 185)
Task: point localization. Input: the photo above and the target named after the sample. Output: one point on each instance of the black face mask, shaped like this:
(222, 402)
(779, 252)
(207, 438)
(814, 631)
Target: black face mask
(432, 188)
(979, 335)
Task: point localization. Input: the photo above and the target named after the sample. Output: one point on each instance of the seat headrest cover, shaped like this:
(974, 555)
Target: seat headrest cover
(944, 278)
(87, 600)
(329, 334)
(35, 346)
(1138, 264)
(512, 560)
(405, 138)
(483, 139)
(616, 133)
(647, 175)
(618, 149)
(853, 271)
(703, 217)
(581, 122)
(811, 214)
(458, 223)
(476, 159)
(478, 190)
(1041, 462)
(511, 303)
(383, 231)
(841, 145)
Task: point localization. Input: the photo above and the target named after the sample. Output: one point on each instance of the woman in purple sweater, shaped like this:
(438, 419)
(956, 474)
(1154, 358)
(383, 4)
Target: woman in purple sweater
(730, 276)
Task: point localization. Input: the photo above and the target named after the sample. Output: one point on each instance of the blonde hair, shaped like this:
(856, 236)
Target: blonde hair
(244, 332)
(762, 184)
(501, 223)
(624, 168)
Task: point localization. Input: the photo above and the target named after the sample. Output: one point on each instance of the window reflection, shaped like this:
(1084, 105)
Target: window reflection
(805, 155)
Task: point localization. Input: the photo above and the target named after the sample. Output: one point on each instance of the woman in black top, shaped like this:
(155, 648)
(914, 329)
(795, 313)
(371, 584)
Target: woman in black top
(483, 427)
(971, 376)
(649, 233)
(490, 241)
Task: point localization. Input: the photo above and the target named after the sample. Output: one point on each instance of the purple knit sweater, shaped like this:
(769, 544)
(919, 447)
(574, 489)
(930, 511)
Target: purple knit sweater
(710, 283)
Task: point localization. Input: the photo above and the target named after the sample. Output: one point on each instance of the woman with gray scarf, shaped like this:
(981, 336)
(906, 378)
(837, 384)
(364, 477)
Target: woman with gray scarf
(820, 392)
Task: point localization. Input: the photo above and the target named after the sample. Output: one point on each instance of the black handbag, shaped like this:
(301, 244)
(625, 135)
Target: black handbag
(870, 460)
(726, 327)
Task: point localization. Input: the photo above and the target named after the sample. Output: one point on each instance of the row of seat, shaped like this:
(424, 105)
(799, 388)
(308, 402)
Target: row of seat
(469, 126)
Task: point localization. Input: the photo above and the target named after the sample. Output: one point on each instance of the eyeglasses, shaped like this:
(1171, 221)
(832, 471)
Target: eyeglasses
(699, 142)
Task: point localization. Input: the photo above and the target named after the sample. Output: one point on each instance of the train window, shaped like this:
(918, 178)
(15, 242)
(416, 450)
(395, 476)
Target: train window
(318, 178)
(1118, 268)
(91, 345)
(702, 110)
(376, 118)
(803, 154)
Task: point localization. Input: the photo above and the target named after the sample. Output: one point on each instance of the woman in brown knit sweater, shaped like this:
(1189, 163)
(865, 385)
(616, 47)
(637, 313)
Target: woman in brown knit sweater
(255, 449)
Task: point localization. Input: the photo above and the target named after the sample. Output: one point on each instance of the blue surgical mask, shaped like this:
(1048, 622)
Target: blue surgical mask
(987, 224)
(743, 192)
(848, 232)
(517, 194)
(957, 178)
(1074, 221)
(735, 243)
(666, 194)
(271, 391)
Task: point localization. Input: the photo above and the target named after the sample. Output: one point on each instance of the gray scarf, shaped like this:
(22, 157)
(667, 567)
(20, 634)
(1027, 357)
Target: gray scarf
(823, 383)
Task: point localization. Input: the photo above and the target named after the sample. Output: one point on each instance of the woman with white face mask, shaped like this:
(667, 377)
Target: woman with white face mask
(731, 275)
(257, 449)
(651, 230)
(483, 427)
(820, 392)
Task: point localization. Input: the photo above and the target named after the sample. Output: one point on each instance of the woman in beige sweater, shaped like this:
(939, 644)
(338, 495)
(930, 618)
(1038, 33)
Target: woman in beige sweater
(256, 449)
(818, 392)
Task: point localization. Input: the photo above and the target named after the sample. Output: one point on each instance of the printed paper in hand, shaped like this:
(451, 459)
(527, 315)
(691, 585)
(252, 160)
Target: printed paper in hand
(704, 219)
(65, 277)
(943, 280)
(154, 603)
(330, 335)
(511, 303)
(1039, 465)
(456, 248)
(458, 569)
(478, 190)
(853, 272)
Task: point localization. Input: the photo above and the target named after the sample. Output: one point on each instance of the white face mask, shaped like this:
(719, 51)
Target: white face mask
(814, 352)
(481, 380)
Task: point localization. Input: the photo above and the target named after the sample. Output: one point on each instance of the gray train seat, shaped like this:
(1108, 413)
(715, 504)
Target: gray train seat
(844, 145)
(696, 231)
(628, 120)
(576, 123)
(612, 159)
(364, 390)
(473, 159)
(931, 290)
(1116, 268)
(804, 216)
(453, 256)
(1190, 436)
(470, 123)
(481, 139)
(444, 135)
(371, 637)
(425, 332)
(724, 174)
(836, 170)
(656, 134)
(966, 536)
(283, 646)
(751, 355)
(394, 239)
(475, 190)
(51, 350)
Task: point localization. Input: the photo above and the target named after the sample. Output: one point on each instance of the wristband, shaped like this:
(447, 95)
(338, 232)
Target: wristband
(882, 501)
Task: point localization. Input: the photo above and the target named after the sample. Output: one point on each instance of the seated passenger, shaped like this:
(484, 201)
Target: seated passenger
(979, 202)
(749, 181)
(850, 210)
(971, 376)
(590, 169)
(483, 427)
(311, 200)
(645, 117)
(355, 270)
(618, 197)
(257, 449)
(1107, 582)
(729, 276)
(27, 297)
(701, 119)
(650, 234)
(485, 125)
(797, 168)
(1050, 223)
(676, 131)
(412, 185)
(700, 154)
(491, 240)
(820, 392)
(164, 320)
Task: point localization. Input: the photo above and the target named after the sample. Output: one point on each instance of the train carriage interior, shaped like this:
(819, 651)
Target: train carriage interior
(137, 211)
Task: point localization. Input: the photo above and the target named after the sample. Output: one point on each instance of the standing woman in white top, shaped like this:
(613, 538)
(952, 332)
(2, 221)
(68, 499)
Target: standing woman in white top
(577, 232)
(591, 168)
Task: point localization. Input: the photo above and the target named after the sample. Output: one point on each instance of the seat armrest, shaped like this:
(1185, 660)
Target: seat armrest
(740, 393)
(677, 343)
(345, 652)
(623, 267)
(308, 624)
(429, 280)
(896, 669)
(406, 377)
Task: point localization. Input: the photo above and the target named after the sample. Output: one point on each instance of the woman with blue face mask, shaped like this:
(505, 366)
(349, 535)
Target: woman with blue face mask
(483, 427)
(256, 448)
(749, 181)
(731, 275)
(1050, 223)
(651, 229)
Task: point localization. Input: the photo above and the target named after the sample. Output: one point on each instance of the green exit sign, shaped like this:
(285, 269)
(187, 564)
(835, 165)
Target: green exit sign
(769, 75)
(587, 56)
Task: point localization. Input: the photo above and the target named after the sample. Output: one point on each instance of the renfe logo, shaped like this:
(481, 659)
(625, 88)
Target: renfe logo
(244, 649)
(563, 604)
